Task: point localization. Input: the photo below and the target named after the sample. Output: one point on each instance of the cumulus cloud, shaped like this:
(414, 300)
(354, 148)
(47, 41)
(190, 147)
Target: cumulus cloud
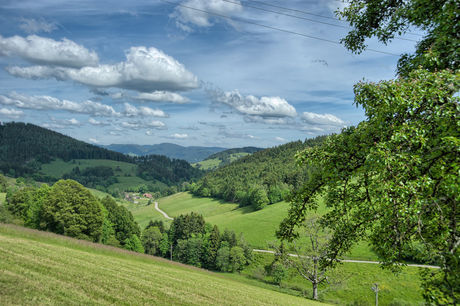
(321, 119)
(51, 103)
(31, 26)
(134, 125)
(11, 113)
(156, 124)
(145, 70)
(179, 136)
(185, 17)
(61, 123)
(46, 51)
(270, 110)
(280, 139)
(97, 122)
(93, 140)
(143, 111)
(162, 96)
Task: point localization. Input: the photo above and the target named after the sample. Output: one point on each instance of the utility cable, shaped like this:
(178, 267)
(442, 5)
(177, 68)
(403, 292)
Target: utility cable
(271, 27)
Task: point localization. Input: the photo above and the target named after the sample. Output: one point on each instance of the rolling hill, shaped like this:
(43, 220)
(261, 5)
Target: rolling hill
(191, 154)
(224, 158)
(44, 268)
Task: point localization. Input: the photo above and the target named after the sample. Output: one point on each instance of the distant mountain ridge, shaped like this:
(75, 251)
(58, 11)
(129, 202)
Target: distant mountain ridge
(191, 154)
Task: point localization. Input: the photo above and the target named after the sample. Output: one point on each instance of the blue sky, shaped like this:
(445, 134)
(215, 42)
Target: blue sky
(148, 72)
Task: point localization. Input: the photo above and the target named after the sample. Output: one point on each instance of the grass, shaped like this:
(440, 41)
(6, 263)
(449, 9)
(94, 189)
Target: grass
(210, 164)
(258, 227)
(350, 283)
(43, 268)
(2, 197)
(124, 172)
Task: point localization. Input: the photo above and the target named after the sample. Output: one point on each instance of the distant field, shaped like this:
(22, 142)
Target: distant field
(43, 268)
(124, 172)
(2, 197)
(258, 227)
(213, 163)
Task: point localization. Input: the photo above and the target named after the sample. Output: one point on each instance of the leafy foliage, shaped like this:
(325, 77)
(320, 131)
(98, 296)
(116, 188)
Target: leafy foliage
(72, 210)
(392, 180)
(385, 19)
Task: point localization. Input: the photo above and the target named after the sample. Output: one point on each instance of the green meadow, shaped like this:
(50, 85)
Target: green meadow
(259, 227)
(42, 268)
(124, 172)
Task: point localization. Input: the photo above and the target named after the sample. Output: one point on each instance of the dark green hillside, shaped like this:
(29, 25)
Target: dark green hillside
(258, 179)
(23, 146)
(45, 155)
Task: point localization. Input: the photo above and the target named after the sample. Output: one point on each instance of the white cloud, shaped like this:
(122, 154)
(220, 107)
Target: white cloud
(61, 123)
(179, 136)
(97, 122)
(185, 16)
(131, 125)
(31, 26)
(145, 70)
(270, 110)
(318, 119)
(156, 124)
(143, 111)
(11, 113)
(93, 140)
(46, 51)
(280, 139)
(51, 103)
(149, 133)
(162, 96)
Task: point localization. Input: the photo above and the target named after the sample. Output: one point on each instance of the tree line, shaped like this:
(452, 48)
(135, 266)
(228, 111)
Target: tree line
(192, 241)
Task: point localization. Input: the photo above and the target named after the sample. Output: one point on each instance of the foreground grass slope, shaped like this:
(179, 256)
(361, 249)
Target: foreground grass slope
(43, 268)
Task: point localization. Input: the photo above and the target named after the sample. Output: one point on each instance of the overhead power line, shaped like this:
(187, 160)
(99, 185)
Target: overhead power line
(300, 17)
(270, 27)
(312, 14)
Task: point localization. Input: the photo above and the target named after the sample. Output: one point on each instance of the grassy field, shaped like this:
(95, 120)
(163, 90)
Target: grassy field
(350, 283)
(124, 172)
(43, 268)
(258, 227)
(2, 197)
(210, 164)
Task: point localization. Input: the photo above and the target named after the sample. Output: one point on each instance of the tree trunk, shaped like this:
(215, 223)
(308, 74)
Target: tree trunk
(315, 291)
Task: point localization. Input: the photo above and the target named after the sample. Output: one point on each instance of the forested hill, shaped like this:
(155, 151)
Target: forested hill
(22, 143)
(224, 154)
(24, 148)
(224, 158)
(191, 154)
(259, 179)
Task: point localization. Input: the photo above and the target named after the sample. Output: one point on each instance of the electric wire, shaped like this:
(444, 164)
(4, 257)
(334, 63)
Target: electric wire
(271, 27)
(304, 18)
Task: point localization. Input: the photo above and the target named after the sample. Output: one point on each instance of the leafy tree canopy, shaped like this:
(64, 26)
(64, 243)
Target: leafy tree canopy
(384, 19)
(70, 209)
(392, 180)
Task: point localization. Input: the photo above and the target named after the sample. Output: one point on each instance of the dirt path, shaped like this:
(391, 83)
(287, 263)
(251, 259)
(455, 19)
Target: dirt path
(162, 212)
(354, 261)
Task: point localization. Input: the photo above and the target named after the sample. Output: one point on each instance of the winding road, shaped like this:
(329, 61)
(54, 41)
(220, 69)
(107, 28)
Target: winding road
(294, 255)
(162, 212)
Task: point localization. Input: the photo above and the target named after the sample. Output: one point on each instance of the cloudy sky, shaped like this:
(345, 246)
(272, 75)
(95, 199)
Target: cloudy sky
(196, 72)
